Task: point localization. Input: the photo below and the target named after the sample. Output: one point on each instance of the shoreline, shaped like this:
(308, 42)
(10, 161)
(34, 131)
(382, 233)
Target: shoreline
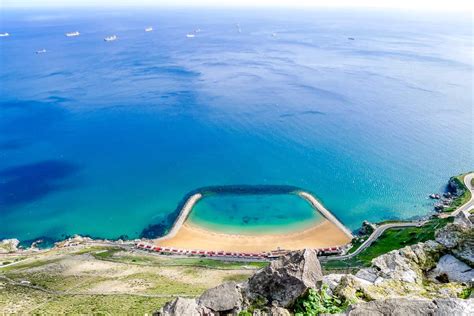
(320, 235)
(91, 240)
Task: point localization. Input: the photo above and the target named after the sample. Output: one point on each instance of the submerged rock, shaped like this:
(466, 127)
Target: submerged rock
(286, 279)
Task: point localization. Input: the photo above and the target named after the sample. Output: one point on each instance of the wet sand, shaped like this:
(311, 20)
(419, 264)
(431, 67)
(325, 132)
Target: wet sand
(190, 236)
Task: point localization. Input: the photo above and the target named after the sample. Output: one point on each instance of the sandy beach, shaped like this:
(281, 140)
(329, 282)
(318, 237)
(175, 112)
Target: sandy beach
(189, 236)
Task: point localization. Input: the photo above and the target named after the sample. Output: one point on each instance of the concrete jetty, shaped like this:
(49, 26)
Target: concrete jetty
(183, 215)
(325, 212)
(200, 193)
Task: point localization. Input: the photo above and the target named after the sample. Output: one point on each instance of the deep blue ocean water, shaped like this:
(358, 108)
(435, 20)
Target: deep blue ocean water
(105, 139)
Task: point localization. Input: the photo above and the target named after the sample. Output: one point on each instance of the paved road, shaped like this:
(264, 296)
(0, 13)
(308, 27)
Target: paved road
(379, 230)
(470, 204)
(376, 234)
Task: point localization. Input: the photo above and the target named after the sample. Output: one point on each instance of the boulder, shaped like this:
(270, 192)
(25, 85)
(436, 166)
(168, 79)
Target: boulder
(332, 280)
(279, 311)
(180, 307)
(413, 307)
(226, 297)
(286, 279)
(454, 270)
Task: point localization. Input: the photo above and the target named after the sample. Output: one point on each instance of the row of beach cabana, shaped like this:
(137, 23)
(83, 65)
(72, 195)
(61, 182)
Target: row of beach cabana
(227, 254)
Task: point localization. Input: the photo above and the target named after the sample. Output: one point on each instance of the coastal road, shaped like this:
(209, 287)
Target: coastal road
(375, 234)
(379, 230)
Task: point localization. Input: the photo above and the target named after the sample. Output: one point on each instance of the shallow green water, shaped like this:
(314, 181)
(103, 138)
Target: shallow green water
(253, 214)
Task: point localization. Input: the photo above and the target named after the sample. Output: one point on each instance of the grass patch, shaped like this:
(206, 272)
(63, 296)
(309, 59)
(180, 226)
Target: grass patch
(24, 301)
(236, 277)
(213, 264)
(106, 253)
(357, 242)
(151, 260)
(390, 240)
(28, 265)
(100, 305)
(164, 285)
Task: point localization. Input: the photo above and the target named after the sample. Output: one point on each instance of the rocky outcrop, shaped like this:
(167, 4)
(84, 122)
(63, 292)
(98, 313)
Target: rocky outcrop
(367, 228)
(284, 280)
(422, 279)
(406, 264)
(267, 292)
(455, 187)
(9, 245)
(458, 238)
(413, 307)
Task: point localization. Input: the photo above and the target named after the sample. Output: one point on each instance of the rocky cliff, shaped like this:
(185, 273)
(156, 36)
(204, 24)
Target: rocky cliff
(430, 278)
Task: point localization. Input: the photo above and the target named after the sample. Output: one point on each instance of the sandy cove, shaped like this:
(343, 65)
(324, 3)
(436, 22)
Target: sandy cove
(189, 236)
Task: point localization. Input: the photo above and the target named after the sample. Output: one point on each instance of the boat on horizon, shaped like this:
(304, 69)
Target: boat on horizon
(4, 34)
(72, 34)
(148, 29)
(41, 51)
(110, 38)
(190, 35)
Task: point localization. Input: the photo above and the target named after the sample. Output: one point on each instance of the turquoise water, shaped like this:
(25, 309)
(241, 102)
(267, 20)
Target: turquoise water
(105, 139)
(254, 214)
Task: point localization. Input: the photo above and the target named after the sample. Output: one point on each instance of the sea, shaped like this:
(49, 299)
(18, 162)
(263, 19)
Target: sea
(369, 110)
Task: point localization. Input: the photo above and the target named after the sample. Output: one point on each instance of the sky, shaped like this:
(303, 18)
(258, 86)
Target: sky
(451, 5)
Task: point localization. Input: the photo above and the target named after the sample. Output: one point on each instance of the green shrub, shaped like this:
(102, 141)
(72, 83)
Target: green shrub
(465, 293)
(319, 302)
(245, 313)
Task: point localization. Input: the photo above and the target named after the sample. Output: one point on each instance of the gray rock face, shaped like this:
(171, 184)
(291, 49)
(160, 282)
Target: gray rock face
(463, 219)
(459, 240)
(454, 269)
(413, 307)
(332, 280)
(180, 307)
(222, 298)
(407, 264)
(454, 307)
(284, 280)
